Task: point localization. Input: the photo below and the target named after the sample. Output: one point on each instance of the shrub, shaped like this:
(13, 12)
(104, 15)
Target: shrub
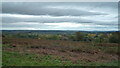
(79, 36)
(115, 38)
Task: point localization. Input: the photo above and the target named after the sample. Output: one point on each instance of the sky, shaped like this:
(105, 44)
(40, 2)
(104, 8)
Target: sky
(83, 16)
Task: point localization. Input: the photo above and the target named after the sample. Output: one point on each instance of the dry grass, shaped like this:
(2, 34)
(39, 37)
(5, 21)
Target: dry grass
(72, 50)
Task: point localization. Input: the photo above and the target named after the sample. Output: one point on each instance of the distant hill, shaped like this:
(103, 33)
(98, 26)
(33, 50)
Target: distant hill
(53, 31)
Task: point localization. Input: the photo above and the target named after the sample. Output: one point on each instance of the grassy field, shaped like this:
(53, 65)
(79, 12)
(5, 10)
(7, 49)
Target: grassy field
(27, 59)
(35, 52)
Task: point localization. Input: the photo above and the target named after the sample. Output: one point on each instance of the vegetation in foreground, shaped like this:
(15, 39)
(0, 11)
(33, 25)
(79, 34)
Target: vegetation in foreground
(79, 49)
(26, 59)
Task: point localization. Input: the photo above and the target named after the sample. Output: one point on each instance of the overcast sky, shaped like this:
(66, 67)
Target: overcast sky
(85, 16)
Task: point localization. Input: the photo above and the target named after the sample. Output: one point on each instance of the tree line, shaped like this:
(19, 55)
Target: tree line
(112, 37)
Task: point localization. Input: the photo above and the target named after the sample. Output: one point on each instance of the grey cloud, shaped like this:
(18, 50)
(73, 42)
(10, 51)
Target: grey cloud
(44, 20)
(12, 20)
(25, 25)
(42, 9)
(68, 9)
(55, 20)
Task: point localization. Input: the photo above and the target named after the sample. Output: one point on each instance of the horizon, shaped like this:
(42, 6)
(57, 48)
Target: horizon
(61, 30)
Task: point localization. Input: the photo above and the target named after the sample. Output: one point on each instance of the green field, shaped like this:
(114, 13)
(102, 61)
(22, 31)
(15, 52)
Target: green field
(27, 59)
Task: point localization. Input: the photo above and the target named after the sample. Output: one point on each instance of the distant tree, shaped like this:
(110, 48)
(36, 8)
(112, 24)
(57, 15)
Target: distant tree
(3, 36)
(115, 38)
(79, 36)
(72, 37)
